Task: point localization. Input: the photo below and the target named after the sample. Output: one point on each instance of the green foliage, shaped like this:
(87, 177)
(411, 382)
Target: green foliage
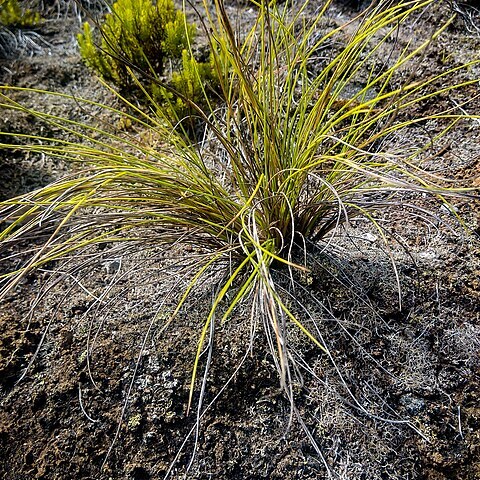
(192, 86)
(136, 40)
(13, 15)
(138, 35)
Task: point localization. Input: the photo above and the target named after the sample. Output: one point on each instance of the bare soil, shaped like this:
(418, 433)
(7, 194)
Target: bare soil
(400, 401)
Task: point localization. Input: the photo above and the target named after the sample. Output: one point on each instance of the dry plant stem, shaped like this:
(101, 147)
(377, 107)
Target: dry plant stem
(287, 160)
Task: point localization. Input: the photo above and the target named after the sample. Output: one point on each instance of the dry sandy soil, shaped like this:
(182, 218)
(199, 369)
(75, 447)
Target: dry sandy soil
(401, 402)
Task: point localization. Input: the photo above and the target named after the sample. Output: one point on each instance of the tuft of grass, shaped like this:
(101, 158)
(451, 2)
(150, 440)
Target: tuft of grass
(289, 159)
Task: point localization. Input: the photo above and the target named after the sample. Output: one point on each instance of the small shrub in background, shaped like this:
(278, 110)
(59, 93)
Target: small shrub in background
(12, 15)
(140, 37)
(138, 33)
(190, 82)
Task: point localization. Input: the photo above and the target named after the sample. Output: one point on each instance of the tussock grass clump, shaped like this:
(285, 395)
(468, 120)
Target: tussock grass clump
(283, 164)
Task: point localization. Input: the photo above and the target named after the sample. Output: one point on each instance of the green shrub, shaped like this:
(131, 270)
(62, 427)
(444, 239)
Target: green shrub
(192, 86)
(135, 42)
(13, 15)
(137, 35)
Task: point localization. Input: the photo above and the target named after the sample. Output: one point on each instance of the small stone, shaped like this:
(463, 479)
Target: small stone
(413, 405)
(112, 266)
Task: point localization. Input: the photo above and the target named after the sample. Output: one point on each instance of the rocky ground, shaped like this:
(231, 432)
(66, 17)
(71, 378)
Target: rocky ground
(399, 399)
